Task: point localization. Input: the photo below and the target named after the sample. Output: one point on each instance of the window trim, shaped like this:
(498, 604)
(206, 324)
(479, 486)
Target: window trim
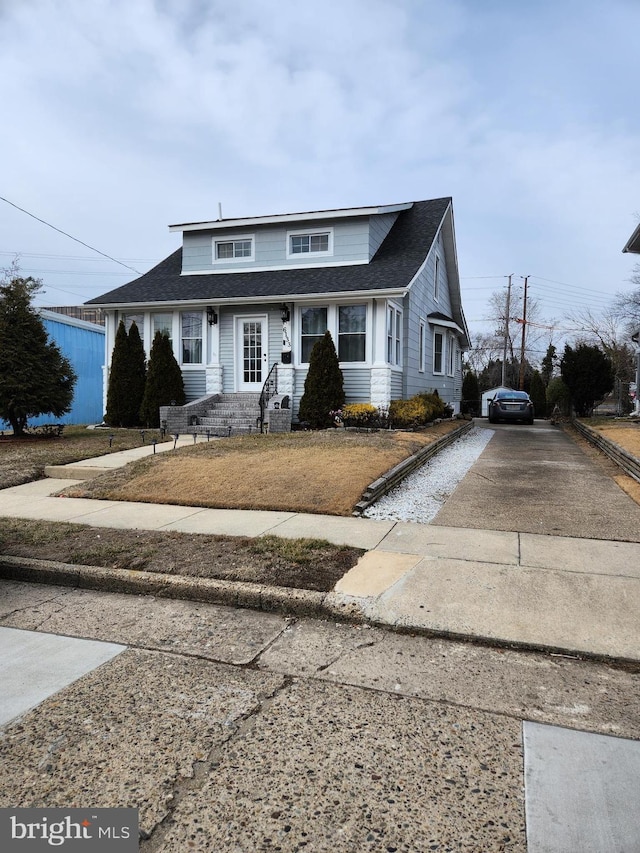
(304, 232)
(233, 238)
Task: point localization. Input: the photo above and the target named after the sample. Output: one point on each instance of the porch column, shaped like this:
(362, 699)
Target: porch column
(380, 370)
(213, 368)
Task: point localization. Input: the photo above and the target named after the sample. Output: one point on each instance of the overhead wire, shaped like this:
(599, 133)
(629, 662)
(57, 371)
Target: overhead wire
(70, 236)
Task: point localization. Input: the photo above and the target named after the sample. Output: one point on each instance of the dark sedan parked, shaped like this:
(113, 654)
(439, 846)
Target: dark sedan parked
(510, 405)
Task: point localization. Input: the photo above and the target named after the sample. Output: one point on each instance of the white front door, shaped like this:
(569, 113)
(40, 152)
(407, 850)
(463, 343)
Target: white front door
(251, 353)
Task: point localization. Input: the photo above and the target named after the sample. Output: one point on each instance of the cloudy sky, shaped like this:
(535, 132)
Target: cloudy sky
(121, 117)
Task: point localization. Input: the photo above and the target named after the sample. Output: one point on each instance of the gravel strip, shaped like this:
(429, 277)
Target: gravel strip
(421, 496)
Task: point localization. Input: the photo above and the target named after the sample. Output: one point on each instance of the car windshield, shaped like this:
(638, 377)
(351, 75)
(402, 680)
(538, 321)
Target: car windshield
(512, 395)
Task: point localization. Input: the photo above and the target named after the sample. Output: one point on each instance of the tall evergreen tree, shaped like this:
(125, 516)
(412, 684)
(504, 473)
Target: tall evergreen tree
(126, 378)
(324, 385)
(588, 374)
(164, 381)
(35, 378)
(538, 394)
(137, 375)
(470, 394)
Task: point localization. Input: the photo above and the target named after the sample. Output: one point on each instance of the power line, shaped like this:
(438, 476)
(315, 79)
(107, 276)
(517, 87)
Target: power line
(70, 236)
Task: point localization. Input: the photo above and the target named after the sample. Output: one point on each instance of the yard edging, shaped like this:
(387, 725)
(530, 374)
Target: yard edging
(399, 472)
(623, 459)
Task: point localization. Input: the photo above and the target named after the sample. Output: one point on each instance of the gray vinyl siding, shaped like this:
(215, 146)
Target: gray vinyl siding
(397, 385)
(418, 304)
(351, 242)
(357, 386)
(379, 227)
(194, 384)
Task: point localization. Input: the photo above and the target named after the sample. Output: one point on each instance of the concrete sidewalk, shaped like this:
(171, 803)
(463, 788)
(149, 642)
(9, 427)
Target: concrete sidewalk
(577, 596)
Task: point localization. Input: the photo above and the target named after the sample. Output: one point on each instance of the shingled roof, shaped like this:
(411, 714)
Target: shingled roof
(392, 268)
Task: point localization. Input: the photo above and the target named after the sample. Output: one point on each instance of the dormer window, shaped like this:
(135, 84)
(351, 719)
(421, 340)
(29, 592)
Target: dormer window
(316, 242)
(230, 249)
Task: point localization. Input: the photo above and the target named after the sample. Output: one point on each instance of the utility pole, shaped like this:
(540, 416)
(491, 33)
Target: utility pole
(524, 329)
(506, 332)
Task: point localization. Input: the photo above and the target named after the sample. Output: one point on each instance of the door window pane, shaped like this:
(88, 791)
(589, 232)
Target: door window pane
(252, 351)
(352, 328)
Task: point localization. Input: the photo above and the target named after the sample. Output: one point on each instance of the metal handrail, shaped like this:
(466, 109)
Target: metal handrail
(269, 389)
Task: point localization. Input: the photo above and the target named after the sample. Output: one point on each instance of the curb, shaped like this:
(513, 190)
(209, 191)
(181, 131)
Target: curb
(288, 601)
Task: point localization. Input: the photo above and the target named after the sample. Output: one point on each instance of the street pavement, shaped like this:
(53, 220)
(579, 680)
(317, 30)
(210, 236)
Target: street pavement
(234, 729)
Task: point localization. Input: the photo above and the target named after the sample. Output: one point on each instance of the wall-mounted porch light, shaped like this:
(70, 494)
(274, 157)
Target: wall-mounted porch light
(284, 313)
(212, 317)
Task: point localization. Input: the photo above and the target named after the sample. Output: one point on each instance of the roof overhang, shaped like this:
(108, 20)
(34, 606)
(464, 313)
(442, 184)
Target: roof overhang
(309, 216)
(633, 244)
(261, 300)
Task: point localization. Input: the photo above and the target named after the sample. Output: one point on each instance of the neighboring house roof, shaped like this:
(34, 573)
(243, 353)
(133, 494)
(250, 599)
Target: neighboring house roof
(393, 267)
(633, 244)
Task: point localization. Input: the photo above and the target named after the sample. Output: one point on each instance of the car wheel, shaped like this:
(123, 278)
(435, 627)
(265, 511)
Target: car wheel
(530, 422)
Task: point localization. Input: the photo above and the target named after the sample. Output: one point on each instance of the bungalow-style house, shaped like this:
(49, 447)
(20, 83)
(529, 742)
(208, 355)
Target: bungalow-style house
(245, 300)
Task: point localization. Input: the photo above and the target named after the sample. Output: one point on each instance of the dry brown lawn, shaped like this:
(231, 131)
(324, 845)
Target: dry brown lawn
(317, 472)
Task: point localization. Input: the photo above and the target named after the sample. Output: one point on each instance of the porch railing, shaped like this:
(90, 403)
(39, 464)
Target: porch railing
(269, 389)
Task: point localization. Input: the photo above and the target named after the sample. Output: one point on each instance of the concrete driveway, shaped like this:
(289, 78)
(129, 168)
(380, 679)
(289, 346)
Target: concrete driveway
(535, 479)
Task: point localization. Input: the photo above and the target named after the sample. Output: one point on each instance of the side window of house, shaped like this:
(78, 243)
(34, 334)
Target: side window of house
(352, 332)
(313, 326)
(162, 323)
(451, 354)
(438, 352)
(191, 323)
(394, 335)
(422, 336)
(436, 279)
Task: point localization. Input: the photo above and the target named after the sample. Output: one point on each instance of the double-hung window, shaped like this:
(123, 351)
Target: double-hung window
(162, 323)
(191, 323)
(230, 249)
(313, 325)
(352, 332)
(422, 337)
(130, 319)
(394, 335)
(438, 352)
(451, 354)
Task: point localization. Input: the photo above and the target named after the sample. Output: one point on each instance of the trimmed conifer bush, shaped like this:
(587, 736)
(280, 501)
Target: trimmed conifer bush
(164, 383)
(126, 378)
(324, 385)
